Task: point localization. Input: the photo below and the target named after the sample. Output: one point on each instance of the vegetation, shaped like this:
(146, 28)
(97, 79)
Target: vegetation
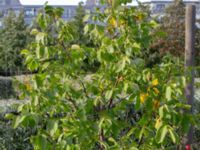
(120, 105)
(6, 88)
(173, 24)
(13, 139)
(78, 25)
(13, 38)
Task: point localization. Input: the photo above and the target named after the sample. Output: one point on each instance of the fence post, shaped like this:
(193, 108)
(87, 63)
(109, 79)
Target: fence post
(189, 62)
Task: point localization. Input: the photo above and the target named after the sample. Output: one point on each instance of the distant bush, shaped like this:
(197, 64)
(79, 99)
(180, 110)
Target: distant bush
(6, 88)
(14, 37)
(13, 139)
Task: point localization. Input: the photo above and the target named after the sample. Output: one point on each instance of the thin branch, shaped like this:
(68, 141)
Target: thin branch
(84, 89)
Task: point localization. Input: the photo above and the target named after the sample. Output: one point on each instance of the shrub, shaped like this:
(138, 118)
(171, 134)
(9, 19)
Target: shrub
(6, 88)
(14, 139)
(121, 105)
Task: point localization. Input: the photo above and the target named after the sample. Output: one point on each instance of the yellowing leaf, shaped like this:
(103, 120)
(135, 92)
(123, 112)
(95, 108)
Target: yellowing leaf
(158, 123)
(113, 22)
(156, 91)
(75, 47)
(143, 98)
(155, 82)
(156, 104)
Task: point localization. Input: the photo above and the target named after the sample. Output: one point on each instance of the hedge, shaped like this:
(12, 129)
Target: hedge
(6, 88)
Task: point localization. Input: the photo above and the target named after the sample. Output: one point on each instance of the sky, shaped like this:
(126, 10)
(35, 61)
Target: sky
(51, 2)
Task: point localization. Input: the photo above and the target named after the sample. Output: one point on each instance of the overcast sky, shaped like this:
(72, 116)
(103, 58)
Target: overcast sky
(51, 2)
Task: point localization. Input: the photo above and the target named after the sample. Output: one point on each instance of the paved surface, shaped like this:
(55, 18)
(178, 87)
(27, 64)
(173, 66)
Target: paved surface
(6, 104)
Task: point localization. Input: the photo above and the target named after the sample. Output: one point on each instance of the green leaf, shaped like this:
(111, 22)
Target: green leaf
(40, 37)
(109, 94)
(40, 142)
(36, 100)
(34, 32)
(18, 121)
(52, 126)
(161, 112)
(101, 122)
(142, 133)
(168, 93)
(185, 123)
(42, 21)
(121, 65)
(9, 116)
(86, 18)
(45, 65)
(59, 12)
(133, 148)
(173, 135)
(113, 141)
(161, 134)
(33, 65)
(25, 52)
(154, 24)
(137, 104)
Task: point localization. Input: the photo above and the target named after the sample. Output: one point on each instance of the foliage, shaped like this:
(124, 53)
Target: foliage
(173, 24)
(78, 24)
(6, 88)
(13, 139)
(197, 48)
(121, 105)
(197, 111)
(13, 38)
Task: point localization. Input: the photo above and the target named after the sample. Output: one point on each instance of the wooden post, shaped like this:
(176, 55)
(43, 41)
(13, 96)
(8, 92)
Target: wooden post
(189, 61)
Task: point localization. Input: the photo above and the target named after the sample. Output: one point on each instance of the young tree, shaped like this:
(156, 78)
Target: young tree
(13, 38)
(121, 105)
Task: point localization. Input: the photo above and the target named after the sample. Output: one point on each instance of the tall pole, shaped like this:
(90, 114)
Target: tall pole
(189, 62)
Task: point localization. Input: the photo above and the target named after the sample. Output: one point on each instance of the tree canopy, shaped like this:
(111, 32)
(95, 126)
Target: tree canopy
(13, 38)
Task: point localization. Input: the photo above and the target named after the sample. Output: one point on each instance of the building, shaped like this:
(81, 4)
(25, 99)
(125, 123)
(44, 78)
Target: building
(158, 6)
(30, 11)
(92, 2)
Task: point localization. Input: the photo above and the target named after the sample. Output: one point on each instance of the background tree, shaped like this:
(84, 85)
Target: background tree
(82, 38)
(78, 24)
(13, 38)
(197, 47)
(173, 24)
